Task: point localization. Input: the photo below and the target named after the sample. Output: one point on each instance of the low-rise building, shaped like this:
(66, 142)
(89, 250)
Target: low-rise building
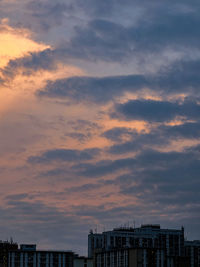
(28, 256)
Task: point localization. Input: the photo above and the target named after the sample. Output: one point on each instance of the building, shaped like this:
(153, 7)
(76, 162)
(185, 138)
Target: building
(28, 256)
(192, 251)
(5, 247)
(148, 245)
(147, 236)
(129, 257)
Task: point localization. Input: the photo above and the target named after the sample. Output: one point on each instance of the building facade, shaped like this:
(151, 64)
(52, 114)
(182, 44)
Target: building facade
(192, 251)
(40, 259)
(148, 245)
(5, 247)
(130, 258)
(28, 256)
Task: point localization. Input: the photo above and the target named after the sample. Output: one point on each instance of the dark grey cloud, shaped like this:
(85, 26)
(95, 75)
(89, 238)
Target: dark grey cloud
(85, 188)
(118, 133)
(101, 40)
(190, 130)
(107, 40)
(151, 158)
(64, 155)
(180, 77)
(38, 16)
(107, 8)
(129, 146)
(17, 197)
(104, 167)
(93, 89)
(138, 140)
(96, 7)
(46, 14)
(87, 125)
(176, 183)
(146, 159)
(43, 60)
(83, 130)
(159, 27)
(163, 178)
(81, 137)
(56, 172)
(160, 136)
(156, 111)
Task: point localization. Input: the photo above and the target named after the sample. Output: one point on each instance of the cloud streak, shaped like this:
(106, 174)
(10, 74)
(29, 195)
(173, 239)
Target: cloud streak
(157, 111)
(70, 155)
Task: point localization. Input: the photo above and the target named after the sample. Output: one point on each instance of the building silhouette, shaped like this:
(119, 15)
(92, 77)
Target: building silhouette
(5, 248)
(28, 256)
(148, 246)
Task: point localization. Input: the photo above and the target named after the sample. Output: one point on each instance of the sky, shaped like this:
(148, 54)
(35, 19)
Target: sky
(99, 118)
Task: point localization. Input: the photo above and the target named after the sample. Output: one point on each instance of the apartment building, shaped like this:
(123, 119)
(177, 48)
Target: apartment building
(5, 247)
(146, 246)
(192, 251)
(28, 256)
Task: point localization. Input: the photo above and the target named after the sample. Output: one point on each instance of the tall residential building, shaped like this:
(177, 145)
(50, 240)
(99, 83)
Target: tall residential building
(129, 257)
(155, 246)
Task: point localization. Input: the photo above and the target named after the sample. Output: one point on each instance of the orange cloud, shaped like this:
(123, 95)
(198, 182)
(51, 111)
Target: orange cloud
(16, 42)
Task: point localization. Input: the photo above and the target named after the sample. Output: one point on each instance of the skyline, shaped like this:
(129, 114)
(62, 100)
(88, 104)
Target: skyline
(100, 117)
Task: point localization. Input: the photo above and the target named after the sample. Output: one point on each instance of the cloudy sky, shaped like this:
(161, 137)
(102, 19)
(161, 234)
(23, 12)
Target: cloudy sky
(99, 118)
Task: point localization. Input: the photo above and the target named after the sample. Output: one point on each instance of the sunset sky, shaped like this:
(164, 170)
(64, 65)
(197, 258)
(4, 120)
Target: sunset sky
(99, 118)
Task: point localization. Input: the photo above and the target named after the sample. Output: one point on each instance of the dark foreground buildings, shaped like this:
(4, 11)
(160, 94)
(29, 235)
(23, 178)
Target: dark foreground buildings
(146, 246)
(28, 256)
